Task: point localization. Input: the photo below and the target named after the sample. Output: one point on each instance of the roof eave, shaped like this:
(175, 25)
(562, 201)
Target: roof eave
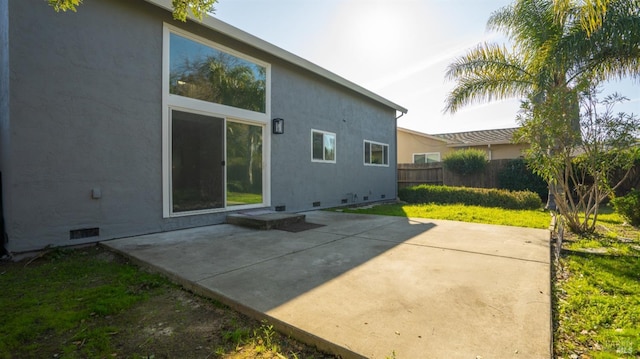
(260, 44)
(425, 135)
(472, 144)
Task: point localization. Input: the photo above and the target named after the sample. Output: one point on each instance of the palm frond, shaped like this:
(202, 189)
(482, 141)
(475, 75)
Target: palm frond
(485, 73)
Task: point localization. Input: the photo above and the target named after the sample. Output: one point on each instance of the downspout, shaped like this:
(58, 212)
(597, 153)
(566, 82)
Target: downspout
(395, 151)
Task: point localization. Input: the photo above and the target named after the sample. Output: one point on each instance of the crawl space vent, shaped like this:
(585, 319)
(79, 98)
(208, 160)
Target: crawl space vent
(84, 233)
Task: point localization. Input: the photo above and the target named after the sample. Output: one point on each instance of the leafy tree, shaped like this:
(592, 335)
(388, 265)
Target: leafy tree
(561, 49)
(583, 172)
(181, 8)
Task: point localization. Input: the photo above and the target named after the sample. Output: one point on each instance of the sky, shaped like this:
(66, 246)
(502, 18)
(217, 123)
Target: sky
(399, 49)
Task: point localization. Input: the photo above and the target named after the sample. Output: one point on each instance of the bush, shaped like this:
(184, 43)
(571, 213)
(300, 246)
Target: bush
(516, 176)
(485, 197)
(465, 162)
(629, 207)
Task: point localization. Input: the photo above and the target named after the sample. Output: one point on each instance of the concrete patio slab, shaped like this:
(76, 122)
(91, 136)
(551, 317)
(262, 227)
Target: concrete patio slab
(369, 286)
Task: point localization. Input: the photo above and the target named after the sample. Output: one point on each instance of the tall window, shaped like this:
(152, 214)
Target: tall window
(217, 106)
(323, 146)
(429, 157)
(376, 154)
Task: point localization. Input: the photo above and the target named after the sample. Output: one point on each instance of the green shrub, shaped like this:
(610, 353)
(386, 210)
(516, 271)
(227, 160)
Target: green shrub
(466, 162)
(486, 197)
(629, 207)
(516, 176)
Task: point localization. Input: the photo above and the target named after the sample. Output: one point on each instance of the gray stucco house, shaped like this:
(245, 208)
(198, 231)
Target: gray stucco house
(118, 121)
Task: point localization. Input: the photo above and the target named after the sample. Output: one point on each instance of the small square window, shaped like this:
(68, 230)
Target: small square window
(323, 146)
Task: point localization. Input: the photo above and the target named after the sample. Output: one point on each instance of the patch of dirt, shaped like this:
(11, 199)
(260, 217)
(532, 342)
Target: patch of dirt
(179, 324)
(173, 324)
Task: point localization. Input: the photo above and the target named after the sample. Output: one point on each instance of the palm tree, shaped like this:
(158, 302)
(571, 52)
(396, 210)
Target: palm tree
(560, 49)
(552, 48)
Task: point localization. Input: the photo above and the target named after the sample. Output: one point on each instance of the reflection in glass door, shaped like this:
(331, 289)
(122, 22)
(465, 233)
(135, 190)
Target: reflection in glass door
(197, 162)
(244, 164)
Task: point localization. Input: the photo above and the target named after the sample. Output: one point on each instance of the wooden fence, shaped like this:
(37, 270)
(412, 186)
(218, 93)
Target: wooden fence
(411, 174)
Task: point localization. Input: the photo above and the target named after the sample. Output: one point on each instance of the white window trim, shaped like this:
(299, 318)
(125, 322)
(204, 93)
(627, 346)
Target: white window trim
(335, 155)
(426, 154)
(364, 156)
(175, 102)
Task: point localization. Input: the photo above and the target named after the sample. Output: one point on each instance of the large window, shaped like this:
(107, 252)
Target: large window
(216, 103)
(323, 146)
(376, 154)
(429, 157)
(206, 73)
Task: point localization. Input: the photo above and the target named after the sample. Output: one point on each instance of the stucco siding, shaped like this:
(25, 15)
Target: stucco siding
(86, 109)
(85, 114)
(306, 103)
(500, 151)
(507, 151)
(4, 114)
(409, 143)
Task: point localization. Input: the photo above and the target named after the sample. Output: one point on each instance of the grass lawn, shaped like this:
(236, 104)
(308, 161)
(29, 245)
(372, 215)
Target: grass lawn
(91, 303)
(597, 279)
(597, 293)
(458, 212)
(238, 198)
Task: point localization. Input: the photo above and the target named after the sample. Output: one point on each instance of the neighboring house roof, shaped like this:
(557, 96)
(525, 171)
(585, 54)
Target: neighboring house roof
(476, 138)
(470, 138)
(421, 134)
(260, 44)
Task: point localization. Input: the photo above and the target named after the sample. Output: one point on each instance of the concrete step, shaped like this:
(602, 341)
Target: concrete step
(261, 220)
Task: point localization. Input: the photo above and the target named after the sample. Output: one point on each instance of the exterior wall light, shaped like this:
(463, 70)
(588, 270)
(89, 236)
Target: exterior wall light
(278, 126)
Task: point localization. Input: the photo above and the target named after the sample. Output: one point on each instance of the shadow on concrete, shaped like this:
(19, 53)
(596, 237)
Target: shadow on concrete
(265, 269)
(366, 286)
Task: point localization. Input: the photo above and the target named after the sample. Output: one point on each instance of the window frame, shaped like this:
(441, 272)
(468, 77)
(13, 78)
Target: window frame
(201, 105)
(225, 51)
(426, 155)
(335, 150)
(172, 102)
(384, 152)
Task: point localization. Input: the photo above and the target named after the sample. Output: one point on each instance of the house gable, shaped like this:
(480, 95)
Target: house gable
(91, 148)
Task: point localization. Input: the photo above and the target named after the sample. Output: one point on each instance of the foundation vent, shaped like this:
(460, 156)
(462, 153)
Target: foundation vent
(84, 233)
(316, 204)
